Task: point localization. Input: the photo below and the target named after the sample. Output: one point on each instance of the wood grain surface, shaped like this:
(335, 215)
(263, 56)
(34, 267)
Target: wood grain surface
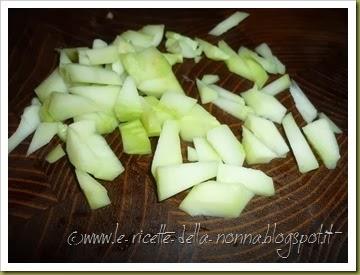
(45, 201)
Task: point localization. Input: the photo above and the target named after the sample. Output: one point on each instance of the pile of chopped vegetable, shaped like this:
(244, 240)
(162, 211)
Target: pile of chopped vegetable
(129, 86)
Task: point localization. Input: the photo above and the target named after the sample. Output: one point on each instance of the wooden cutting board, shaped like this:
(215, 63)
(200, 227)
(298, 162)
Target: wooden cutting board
(46, 204)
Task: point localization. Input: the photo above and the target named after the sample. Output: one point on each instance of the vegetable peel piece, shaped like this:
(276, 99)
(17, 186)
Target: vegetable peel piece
(134, 138)
(173, 179)
(216, 199)
(228, 23)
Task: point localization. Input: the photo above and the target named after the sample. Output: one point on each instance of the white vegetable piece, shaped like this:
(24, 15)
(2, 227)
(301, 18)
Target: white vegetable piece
(43, 134)
(226, 145)
(192, 154)
(266, 131)
(103, 55)
(323, 139)
(98, 44)
(207, 94)
(228, 23)
(278, 85)
(264, 105)
(236, 109)
(30, 120)
(216, 199)
(173, 179)
(96, 194)
(210, 79)
(305, 158)
(179, 103)
(173, 58)
(268, 64)
(168, 149)
(333, 126)
(55, 154)
(177, 43)
(255, 151)
(204, 150)
(302, 103)
(254, 180)
(156, 32)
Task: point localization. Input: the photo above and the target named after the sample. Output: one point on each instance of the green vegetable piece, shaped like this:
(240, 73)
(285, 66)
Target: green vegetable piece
(54, 82)
(150, 120)
(151, 72)
(173, 58)
(204, 150)
(30, 120)
(235, 109)
(134, 138)
(128, 104)
(64, 106)
(96, 194)
(156, 32)
(255, 151)
(305, 158)
(266, 131)
(228, 23)
(192, 154)
(216, 199)
(264, 105)
(207, 94)
(104, 122)
(180, 104)
(168, 150)
(254, 180)
(42, 136)
(78, 73)
(99, 44)
(227, 146)
(55, 154)
(323, 140)
(211, 51)
(209, 79)
(173, 179)
(278, 85)
(104, 55)
(223, 93)
(90, 152)
(332, 125)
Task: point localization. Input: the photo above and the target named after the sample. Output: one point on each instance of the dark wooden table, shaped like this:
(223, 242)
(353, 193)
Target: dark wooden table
(46, 204)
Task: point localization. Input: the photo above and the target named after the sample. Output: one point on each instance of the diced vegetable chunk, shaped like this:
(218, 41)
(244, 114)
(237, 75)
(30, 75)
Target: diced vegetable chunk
(228, 23)
(134, 138)
(55, 154)
(302, 103)
(180, 104)
(323, 139)
(333, 126)
(264, 105)
(96, 194)
(254, 180)
(211, 51)
(53, 83)
(216, 199)
(192, 154)
(207, 94)
(43, 134)
(305, 158)
(226, 145)
(204, 150)
(266, 131)
(235, 109)
(210, 79)
(168, 149)
(173, 179)
(278, 85)
(255, 151)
